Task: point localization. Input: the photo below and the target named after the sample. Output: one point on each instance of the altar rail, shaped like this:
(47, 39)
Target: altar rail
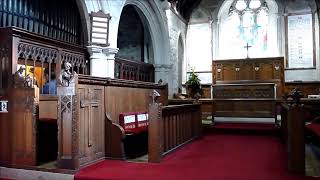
(132, 70)
(171, 127)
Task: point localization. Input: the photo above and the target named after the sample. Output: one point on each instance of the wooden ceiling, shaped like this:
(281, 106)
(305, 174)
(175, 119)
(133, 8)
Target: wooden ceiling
(185, 7)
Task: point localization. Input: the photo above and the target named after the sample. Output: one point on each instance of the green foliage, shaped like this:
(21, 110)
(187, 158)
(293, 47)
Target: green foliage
(194, 83)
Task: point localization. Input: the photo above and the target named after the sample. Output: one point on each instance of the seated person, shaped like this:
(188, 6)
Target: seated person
(50, 85)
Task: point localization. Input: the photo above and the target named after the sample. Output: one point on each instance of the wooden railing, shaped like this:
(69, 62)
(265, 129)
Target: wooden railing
(171, 127)
(131, 70)
(292, 131)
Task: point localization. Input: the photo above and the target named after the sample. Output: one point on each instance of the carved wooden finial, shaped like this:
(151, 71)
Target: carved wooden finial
(197, 96)
(154, 94)
(66, 76)
(295, 95)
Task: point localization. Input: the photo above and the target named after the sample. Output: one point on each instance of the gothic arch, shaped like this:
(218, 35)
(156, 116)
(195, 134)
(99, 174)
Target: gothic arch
(158, 31)
(85, 20)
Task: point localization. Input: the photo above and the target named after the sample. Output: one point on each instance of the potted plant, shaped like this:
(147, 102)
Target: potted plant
(193, 84)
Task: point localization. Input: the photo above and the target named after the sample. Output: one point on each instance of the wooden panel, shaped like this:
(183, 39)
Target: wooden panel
(206, 91)
(48, 108)
(244, 108)
(266, 71)
(228, 72)
(293, 130)
(126, 99)
(246, 69)
(91, 123)
(114, 140)
(306, 88)
(23, 126)
(254, 90)
(171, 127)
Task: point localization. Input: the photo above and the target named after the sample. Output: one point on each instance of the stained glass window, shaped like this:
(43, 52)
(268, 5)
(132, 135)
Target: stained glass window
(247, 23)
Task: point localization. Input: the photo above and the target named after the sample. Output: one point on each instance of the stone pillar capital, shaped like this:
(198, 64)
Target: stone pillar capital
(102, 60)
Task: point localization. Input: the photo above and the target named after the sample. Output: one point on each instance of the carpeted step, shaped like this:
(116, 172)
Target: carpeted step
(243, 128)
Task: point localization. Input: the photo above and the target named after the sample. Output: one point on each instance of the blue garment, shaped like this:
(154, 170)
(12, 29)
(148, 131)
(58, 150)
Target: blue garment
(51, 85)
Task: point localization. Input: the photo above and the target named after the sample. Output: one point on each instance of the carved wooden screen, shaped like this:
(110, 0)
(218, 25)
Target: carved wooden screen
(39, 57)
(45, 58)
(131, 70)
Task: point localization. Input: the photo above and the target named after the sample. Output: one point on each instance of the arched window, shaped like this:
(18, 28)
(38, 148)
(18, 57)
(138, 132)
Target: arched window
(246, 22)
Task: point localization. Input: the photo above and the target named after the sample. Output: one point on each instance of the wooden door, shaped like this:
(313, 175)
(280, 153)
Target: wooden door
(91, 123)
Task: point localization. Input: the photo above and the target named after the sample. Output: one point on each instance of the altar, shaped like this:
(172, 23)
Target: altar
(247, 87)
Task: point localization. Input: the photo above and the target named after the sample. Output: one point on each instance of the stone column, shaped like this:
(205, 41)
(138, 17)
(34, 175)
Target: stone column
(164, 72)
(102, 61)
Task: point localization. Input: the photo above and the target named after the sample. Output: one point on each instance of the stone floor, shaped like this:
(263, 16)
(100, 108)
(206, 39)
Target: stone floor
(22, 174)
(312, 160)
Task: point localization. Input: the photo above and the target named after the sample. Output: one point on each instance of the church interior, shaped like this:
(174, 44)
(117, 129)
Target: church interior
(160, 89)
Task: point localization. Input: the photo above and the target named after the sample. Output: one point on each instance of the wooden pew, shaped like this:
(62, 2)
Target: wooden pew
(84, 136)
(171, 127)
(293, 120)
(207, 106)
(294, 137)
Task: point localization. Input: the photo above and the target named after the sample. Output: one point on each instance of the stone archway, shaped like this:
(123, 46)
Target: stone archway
(155, 19)
(134, 39)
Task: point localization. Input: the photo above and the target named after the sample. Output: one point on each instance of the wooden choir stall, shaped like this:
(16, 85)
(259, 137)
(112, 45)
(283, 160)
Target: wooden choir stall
(247, 87)
(55, 111)
(29, 70)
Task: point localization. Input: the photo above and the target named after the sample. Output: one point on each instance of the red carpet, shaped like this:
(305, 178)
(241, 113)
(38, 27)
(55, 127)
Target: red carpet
(213, 157)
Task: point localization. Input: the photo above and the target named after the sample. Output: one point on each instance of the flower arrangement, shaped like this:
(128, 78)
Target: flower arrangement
(193, 84)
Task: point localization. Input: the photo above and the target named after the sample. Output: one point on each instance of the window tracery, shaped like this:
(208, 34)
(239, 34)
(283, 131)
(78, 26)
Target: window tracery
(247, 23)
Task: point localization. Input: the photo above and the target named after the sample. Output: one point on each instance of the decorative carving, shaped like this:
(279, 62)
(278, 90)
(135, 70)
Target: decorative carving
(296, 95)
(197, 96)
(154, 94)
(66, 77)
(35, 52)
(18, 79)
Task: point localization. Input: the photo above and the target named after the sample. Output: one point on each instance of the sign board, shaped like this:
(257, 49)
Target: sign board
(300, 41)
(3, 106)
